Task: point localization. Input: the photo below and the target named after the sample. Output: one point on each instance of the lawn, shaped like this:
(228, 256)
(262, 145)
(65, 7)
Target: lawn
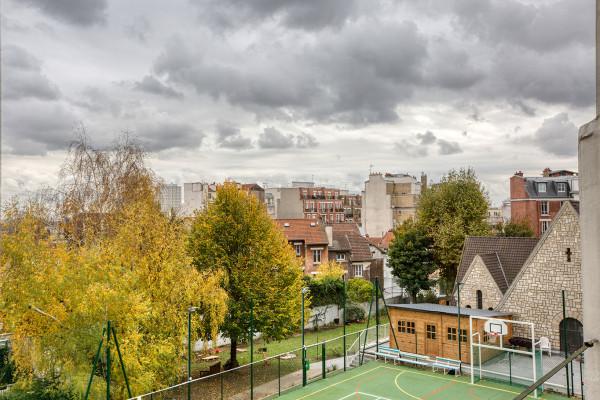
(333, 349)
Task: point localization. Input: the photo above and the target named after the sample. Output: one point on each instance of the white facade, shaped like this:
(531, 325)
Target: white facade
(170, 197)
(196, 195)
(388, 200)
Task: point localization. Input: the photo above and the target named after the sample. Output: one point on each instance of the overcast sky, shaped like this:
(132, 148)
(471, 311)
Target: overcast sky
(271, 91)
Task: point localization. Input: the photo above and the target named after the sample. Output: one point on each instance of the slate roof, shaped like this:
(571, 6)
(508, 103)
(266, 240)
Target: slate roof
(448, 310)
(361, 250)
(531, 187)
(301, 229)
(503, 256)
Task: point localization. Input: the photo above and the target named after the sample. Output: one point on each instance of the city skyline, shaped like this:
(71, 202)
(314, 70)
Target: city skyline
(273, 92)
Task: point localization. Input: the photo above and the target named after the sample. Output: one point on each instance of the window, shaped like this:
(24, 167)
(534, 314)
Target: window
(568, 253)
(401, 326)
(544, 226)
(410, 327)
(451, 333)
(542, 187)
(561, 187)
(544, 206)
(463, 335)
(297, 246)
(358, 270)
(316, 256)
(479, 299)
(340, 257)
(430, 331)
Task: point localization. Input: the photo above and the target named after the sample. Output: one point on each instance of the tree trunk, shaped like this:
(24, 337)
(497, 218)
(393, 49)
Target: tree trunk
(232, 362)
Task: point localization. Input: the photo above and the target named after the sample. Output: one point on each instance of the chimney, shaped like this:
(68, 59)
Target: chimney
(329, 232)
(546, 172)
(520, 173)
(423, 181)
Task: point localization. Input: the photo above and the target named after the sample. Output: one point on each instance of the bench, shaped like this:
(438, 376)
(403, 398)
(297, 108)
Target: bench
(447, 365)
(387, 353)
(411, 358)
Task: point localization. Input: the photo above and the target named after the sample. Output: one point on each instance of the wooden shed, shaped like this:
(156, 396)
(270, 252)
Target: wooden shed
(432, 329)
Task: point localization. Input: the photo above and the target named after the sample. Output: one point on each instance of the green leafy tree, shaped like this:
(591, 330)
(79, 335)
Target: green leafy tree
(411, 258)
(234, 236)
(449, 211)
(359, 290)
(514, 228)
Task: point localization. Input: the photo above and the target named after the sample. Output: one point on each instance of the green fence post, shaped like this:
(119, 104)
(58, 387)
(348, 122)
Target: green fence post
(251, 348)
(121, 360)
(279, 372)
(303, 365)
(222, 385)
(581, 376)
(377, 314)
(95, 363)
(107, 360)
(510, 367)
(344, 320)
(564, 323)
(323, 359)
(458, 313)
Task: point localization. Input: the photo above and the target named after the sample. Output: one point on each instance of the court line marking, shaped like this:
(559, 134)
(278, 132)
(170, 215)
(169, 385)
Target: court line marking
(366, 379)
(454, 380)
(345, 380)
(438, 390)
(402, 390)
(366, 394)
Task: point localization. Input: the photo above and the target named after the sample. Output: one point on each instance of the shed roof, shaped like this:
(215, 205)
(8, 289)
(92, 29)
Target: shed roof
(448, 310)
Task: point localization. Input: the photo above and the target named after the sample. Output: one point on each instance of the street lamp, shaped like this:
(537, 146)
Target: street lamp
(304, 291)
(189, 369)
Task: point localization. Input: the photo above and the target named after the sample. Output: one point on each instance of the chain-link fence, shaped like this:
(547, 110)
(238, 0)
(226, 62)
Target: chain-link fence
(273, 376)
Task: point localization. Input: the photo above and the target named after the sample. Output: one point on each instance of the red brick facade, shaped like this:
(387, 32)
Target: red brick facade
(323, 203)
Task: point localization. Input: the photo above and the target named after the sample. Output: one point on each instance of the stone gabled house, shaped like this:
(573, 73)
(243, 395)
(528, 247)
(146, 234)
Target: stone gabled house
(531, 291)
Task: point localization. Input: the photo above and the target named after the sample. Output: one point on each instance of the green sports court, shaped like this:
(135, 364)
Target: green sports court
(385, 381)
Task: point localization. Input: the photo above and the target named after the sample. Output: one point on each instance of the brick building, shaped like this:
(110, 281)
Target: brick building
(309, 240)
(303, 200)
(352, 204)
(538, 199)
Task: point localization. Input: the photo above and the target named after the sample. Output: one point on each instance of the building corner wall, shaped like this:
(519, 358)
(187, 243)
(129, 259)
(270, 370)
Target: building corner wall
(589, 165)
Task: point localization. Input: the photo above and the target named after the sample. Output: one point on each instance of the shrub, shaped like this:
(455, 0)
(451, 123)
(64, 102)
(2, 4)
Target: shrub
(427, 297)
(325, 291)
(7, 368)
(359, 290)
(39, 389)
(355, 312)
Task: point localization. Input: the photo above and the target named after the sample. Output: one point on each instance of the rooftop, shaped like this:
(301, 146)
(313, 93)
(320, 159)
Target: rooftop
(448, 310)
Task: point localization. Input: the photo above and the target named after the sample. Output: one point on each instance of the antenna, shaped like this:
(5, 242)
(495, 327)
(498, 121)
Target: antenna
(370, 167)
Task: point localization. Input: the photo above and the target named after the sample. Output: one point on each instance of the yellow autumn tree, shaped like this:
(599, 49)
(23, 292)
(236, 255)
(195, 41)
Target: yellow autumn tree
(235, 237)
(57, 293)
(330, 268)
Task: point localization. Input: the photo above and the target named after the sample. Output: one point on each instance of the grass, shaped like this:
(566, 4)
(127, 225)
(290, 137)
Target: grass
(311, 337)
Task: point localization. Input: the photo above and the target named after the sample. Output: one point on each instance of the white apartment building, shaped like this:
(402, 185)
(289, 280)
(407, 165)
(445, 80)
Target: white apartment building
(170, 197)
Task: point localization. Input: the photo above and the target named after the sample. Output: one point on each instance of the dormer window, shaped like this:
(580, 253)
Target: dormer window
(542, 187)
(561, 187)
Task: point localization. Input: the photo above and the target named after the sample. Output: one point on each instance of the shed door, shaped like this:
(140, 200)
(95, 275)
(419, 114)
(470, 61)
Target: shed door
(431, 340)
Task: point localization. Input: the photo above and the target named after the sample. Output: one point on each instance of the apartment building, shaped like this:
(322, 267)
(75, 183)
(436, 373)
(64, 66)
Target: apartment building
(388, 200)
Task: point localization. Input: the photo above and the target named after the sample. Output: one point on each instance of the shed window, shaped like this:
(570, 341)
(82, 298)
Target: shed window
(430, 331)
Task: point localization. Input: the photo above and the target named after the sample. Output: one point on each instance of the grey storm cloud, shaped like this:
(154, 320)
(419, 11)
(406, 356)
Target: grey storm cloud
(300, 14)
(150, 84)
(96, 100)
(164, 135)
(520, 105)
(26, 77)
(139, 29)
(82, 13)
(526, 25)
(230, 137)
(446, 147)
(357, 77)
(557, 135)
(419, 145)
(306, 141)
(272, 138)
(36, 129)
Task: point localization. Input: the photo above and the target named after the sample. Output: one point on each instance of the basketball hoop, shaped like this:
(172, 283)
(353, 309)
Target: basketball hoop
(492, 336)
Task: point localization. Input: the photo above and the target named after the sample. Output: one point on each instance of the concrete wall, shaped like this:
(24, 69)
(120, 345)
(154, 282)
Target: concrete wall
(290, 204)
(376, 210)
